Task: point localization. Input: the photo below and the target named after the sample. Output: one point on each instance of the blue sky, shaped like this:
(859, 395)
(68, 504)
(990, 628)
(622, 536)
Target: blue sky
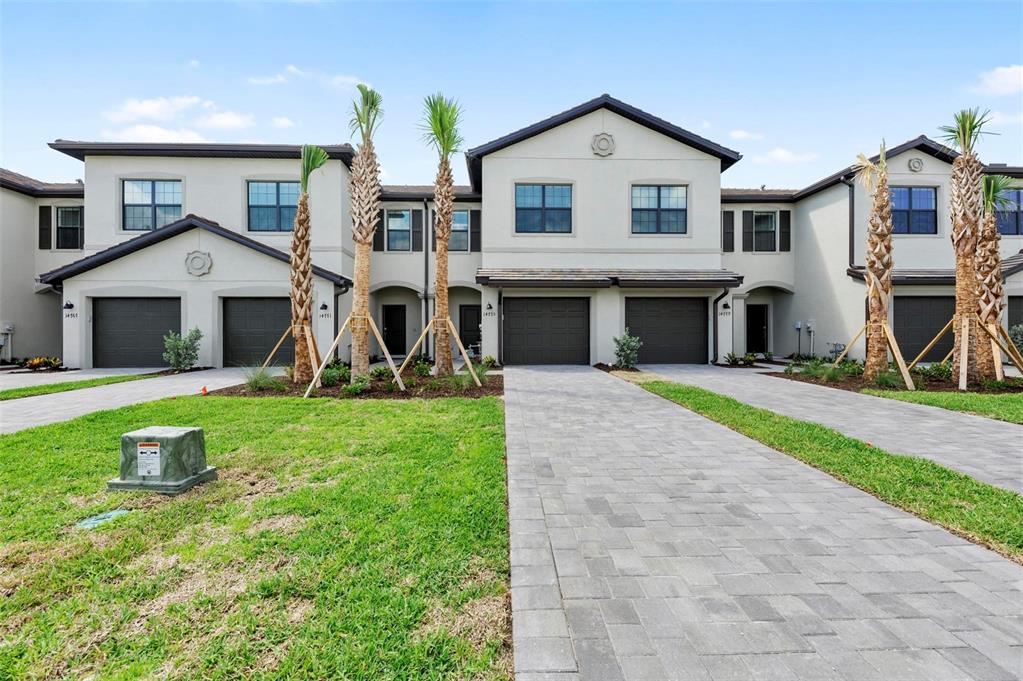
(797, 88)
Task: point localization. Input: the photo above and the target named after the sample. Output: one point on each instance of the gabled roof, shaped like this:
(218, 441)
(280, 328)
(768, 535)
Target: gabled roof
(1010, 266)
(186, 223)
(80, 150)
(419, 192)
(23, 184)
(474, 157)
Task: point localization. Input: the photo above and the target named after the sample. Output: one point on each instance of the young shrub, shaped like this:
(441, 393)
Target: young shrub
(40, 363)
(358, 386)
(793, 368)
(462, 381)
(380, 372)
(934, 371)
(749, 359)
(732, 359)
(422, 368)
(1016, 334)
(627, 350)
(331, 376)
(831, 374)
(258, 379)
(851, 367)
(768, 356)
(888, 379)
(182, 352)
(411, 382)
(489, 361)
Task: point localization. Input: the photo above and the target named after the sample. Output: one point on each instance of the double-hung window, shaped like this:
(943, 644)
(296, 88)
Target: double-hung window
(272, 206)
(69, 227)
(765, 232)
(543, 208)
(459, 240)
(148, 204)
(658, 209)
(914, 210)
(399, 230)
(1010, 215)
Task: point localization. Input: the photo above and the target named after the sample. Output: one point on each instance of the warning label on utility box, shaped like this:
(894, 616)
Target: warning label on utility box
(149, 458)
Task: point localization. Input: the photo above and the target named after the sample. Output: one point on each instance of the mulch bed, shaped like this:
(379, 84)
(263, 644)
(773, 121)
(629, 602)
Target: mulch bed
(856, 384)
(609, 368)
(379, 389)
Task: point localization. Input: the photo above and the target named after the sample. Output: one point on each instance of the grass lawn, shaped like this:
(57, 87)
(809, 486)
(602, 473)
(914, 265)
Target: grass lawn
(1004, 407)
(33, 390)
(344, 539)
(982, 512)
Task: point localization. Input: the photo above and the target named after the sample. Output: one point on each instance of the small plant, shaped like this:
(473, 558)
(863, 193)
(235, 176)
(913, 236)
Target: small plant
(421, 367)
(332, 376)
(627, 350)
(463, 382)
(749, 359)
(851, 367)
(792, 368)
(359, 385)
(380, 372)
(824, 371)
(40, 363)
(934, 371)
(1016, 334)
(489, 361)
(258, 379)
(995, 386)
(768, 356)
(182, 352)
(733, 360)
(411, 382)
(888, 379)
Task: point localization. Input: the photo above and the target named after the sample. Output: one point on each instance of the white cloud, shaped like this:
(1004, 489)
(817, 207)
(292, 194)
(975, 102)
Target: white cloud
(1003, 80)
(1002, 118)
(226, 120)
(159, 108)
(295, 71)
(291, 71)
(193, 63)
(745, 135)
(283, 122)
(782, 155)
(153, 134)
(267, 80)
(344, 81)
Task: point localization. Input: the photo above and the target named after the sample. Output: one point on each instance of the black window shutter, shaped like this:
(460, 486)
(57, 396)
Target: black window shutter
(433, 229)
(747, 230)
(81, 227)
(417, 230)
(378, 235)
(785, 236)
(728, 231)
(45, 228)
(475, 225)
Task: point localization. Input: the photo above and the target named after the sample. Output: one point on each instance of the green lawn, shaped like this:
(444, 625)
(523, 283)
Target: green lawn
(33, 390)
(974, 509)
(1004, 407)
(345, 539)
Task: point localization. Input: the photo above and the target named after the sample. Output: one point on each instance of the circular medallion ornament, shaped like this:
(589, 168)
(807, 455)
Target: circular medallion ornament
(603, 144)
(198, 263)
(915, 165)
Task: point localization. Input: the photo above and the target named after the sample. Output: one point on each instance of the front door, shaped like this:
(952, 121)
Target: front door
(469, 319)
(756, 328)
(394, 329)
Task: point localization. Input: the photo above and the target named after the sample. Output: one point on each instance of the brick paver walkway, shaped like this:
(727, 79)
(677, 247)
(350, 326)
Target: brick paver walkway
(650, 543)
(982, 448)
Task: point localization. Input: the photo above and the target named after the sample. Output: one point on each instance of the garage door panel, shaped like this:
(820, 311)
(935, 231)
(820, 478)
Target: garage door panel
(918, 319)
(1015, 310)
(252, 326)
(129, 332)
(673, 330)
(546, 331)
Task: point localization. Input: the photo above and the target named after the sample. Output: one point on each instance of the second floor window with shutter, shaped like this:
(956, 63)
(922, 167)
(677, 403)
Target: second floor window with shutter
(543, 208)
(272, 206)
(148, 204)
(69, 228)
(658, 209)
(1010, 215)
(459, 240)
(399, 230)
(764, 232)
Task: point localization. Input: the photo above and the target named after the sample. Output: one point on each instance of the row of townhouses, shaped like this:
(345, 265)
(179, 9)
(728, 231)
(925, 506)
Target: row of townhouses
(572, 229)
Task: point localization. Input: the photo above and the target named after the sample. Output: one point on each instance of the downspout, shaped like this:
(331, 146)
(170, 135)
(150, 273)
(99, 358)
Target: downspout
(714, 311)
(427, 240)
(852, 221)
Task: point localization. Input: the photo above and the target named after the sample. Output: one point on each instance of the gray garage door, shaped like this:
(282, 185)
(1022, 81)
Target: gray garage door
(546, 331)
(252, 326)
(128, 332)
(673, 330)
(1015, 310)
(918, 319)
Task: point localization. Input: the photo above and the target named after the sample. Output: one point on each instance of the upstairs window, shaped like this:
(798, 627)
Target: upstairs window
(459, 240)
(272, 206)
(69, 228)
(914, 210)
(1010, 217)
(399, 230)
(149, 204)
(543, 208)
(765, 232)
(658, 209)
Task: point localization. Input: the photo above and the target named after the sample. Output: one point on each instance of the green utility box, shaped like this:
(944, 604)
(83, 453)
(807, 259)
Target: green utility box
(163, 459)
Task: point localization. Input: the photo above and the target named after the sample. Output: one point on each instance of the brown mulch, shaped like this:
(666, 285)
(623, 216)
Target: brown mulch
(857, 383)
(379, 389)
(609, 368)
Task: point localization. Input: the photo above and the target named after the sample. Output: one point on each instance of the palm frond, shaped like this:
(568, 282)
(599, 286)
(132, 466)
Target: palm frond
(366, 112)
(967, 128)
(867, 171)
(994, 189)
(441, 117)
(313, 157)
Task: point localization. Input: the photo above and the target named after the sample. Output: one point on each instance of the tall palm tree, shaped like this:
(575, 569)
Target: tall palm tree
(440, 130)
(364, 188)
(874, 177)
(965, 207)
(302, 268)
(989, 266)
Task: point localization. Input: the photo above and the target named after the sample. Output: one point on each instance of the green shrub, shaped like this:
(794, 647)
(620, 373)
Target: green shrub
(851, 367)
(732, 359)
(182, 352)
(1016, 334)
(489, 361)
(627, 350)
(749, 359)
(934, 371)
(481, 372)
(359, 385)
(39, 363)
(380, 372)
(463, 381)
(422, 368)
(825, 372)
(411, 382)
(332, 376)
(991, 384)
(888, 379)
(768, 355)
(793, 368)
(259, 379)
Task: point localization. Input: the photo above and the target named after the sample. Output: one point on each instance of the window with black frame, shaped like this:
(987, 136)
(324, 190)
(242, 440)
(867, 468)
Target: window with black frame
(272, 206)
(459, 240)
(69, 228)
(543, 208)
(1010, 215)
(658, 209)
(765, 232)
(914, 210)
(149, 204)
(399, 230)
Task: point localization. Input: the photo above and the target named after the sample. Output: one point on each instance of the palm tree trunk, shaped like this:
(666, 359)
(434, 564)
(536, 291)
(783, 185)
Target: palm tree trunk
(301, 292)
(965, 208)
(444, 199)
(360, 310)
(879, 265)
(364, 188)
(991, 291)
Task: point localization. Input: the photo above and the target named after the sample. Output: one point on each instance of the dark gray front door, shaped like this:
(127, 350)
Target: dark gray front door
(546, 331)
(394, 329)
(756, 328)
(128, 332)
(469, 319)
(252, 326)
(918, 319)
(1015, 310)
(673, 330)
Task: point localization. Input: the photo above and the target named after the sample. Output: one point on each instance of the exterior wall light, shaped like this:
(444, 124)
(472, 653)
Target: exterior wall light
(69, 305)
(323, 307)
(726, 306)
(489, 306)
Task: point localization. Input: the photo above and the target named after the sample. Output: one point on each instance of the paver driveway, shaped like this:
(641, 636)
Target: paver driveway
(982, 448)
(650, 543)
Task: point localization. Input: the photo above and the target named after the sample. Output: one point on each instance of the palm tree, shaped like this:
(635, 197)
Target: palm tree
(989, 267)
(874, 177)
(440, 130)
(364, 187)
(965, 208)
(302, 268)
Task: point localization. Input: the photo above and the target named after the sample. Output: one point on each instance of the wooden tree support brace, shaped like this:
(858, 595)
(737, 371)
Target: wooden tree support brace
(276, 348)
(930, 346)
(458, 341)
(897, 353)
(1014, 352)
(326, 358)
(465, 355)
(850, 345)
(964, 352)
(383, 346)
(412, 352)
(997, 344)
(996, 352)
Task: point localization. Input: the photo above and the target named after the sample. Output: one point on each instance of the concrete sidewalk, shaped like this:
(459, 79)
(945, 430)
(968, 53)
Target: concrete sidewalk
(18, 379)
